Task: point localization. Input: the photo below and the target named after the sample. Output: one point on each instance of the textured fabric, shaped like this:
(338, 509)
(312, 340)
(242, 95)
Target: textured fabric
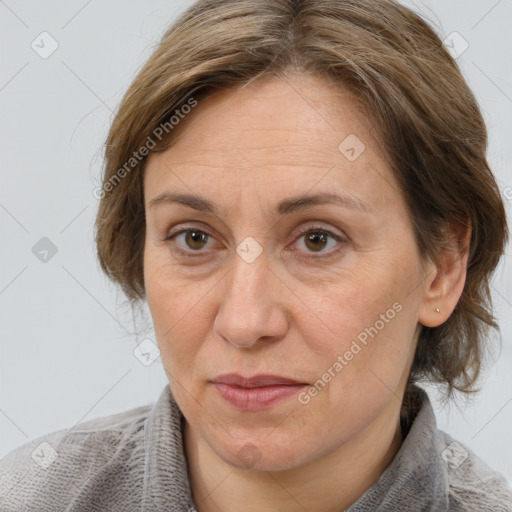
(134, 461)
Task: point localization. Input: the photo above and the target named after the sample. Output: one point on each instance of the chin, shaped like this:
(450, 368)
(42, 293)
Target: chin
(252, 457)
(261, 453)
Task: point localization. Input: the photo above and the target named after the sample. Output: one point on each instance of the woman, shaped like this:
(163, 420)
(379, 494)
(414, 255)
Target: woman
(300, 192)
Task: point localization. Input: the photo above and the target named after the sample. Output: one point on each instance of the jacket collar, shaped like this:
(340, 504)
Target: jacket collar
(417, 478)
(166, 486)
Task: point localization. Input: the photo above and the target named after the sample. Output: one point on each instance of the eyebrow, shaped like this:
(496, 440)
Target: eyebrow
(285, 207)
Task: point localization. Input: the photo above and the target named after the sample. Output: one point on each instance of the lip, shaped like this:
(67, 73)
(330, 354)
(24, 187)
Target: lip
(255, 393)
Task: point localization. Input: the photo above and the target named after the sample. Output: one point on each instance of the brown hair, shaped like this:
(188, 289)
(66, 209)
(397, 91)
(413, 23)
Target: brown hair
(427, 118)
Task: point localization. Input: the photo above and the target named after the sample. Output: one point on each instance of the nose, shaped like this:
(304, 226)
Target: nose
(252, 307)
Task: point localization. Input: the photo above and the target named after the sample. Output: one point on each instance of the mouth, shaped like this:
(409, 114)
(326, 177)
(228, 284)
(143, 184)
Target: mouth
(255, 393)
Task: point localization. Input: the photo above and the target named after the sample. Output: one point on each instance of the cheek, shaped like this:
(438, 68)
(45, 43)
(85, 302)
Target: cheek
(348, 305)
(168, 296)
(368, 320)
(176, 310)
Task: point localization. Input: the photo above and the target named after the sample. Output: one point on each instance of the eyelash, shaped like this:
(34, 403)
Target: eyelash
(310, 229)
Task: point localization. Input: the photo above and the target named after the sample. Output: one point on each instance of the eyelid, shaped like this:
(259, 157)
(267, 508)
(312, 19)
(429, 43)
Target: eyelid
(317, 226)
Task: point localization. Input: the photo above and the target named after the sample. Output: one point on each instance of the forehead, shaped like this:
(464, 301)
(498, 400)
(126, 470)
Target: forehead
(276, 111)
(290, 133)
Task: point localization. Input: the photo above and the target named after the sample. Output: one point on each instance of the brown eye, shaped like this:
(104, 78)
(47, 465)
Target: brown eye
(319, 242)
(195, 239)
(192, 240)
(316, 240)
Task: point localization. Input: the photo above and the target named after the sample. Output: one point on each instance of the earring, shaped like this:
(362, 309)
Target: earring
(438, 310)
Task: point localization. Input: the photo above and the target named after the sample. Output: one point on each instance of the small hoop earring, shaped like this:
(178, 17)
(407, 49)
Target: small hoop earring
(438, 310)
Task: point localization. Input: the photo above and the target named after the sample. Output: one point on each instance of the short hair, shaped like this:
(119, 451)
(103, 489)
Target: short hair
(409, 86)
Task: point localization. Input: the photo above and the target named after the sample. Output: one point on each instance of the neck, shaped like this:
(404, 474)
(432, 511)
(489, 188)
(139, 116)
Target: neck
(330, 483)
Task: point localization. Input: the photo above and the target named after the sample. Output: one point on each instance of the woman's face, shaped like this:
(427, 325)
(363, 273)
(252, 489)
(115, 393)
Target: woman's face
(252, 281)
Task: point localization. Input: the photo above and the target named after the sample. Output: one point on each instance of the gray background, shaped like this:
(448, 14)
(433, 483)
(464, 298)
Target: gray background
(66, 336)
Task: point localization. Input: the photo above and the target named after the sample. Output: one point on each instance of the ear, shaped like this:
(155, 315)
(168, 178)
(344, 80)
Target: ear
(446, 281)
